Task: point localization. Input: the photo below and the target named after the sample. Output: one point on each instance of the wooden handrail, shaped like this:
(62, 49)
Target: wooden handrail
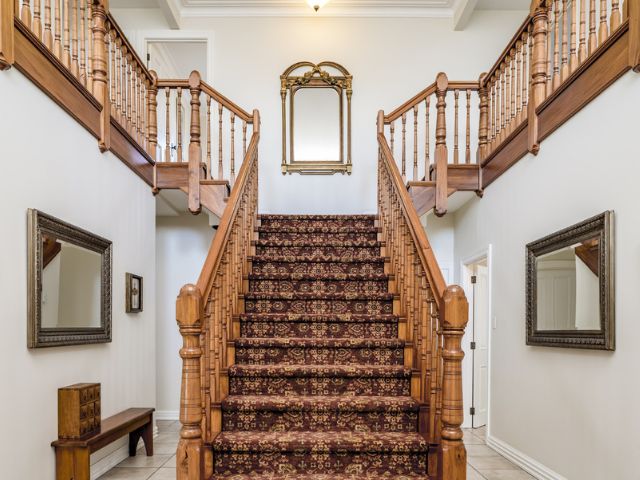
(229, 105)
(427, 257)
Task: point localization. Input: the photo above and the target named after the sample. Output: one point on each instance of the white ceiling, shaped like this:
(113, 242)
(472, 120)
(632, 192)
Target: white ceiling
(503, 4)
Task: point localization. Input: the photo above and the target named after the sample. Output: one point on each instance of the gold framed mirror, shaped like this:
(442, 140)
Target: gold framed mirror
(314, 129)
(69, 284)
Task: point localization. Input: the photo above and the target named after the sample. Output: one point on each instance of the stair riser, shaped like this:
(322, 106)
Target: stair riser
(324, 420)
(319, 356)
(319, 286)
(369, 307)
(319, 251)
(318, 330)
(374, 386)
(312, 463)
(319, 237)
(319, 268)
(317, 223)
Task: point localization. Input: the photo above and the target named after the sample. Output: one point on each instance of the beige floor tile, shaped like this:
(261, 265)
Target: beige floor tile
(171, 463)
(141, 460)
(164, 448)
(164, 474)
(490, 463)
(128, 473)
(506, 475)
(473, 474)
(480, 451)
(166, 437)
(471, 439)
(169, 426)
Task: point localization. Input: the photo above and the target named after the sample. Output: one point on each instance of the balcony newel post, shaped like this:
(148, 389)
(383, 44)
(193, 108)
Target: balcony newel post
(152, 105)
(7, 32)
(99, 67)
(483, 131)
(189, 455)
(195, 150)
(537, 92)
(632, 8)
(452, 462)
(441, 154)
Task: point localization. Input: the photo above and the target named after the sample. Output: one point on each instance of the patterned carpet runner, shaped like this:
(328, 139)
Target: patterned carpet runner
(319, 390)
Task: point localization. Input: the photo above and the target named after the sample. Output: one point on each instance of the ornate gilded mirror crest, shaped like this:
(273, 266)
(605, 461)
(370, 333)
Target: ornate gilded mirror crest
(313, 118)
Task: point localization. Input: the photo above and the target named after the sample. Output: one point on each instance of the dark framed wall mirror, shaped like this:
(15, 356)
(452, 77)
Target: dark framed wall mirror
(69, 284)
(570, 287)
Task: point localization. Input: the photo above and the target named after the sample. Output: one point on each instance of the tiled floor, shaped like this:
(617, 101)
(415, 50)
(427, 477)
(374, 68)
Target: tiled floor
(483, 463)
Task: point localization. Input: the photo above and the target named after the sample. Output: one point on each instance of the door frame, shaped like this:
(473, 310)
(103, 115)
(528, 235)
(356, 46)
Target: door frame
(465, 280)
(144, 37)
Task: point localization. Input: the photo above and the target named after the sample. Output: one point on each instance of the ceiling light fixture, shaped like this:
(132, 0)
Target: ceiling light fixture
(317, 4)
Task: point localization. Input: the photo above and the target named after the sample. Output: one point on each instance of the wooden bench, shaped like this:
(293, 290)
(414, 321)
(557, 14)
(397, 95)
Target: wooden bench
(72, 456)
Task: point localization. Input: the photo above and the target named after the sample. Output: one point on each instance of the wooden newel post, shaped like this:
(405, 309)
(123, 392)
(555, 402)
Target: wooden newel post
(195, 150)
(483, 130)
(442, 155)
(380, 123)
(633, 11)
(7, 14)
(152, 105)
(256, 121)
(452, 464)
(537, 92)
(189, 456)
(99, 66)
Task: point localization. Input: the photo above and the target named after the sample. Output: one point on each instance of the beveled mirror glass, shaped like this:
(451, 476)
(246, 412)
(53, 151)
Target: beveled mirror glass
(69, 284)
(316, 118)
(570, 287)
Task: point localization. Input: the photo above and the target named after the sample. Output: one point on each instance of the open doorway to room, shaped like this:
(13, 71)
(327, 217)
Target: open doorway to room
(477, 284)
(177, 58)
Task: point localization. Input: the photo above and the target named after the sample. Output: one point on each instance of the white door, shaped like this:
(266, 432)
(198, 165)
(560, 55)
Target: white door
(480, 354)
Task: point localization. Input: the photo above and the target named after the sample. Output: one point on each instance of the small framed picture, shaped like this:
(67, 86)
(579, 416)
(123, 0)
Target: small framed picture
(134, 293)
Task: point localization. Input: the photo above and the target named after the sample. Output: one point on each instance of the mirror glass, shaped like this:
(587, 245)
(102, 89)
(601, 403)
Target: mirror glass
(71, 276)
(317, 125)
(568, 288)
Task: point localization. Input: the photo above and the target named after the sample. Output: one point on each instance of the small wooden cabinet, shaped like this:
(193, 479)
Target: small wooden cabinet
(78, 410)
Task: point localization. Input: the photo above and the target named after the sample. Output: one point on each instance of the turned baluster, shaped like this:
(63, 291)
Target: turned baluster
(195, 149)
(404, 147)
(220, 161)
(37, 19)
(456, 153)
(244, 138)
(441, 154)
(468, 124)
(582, 47)
(189, 455)
(518, 83)
(573, 49)
(415, 143)
(66, 42)
(550, 46)
(616, 16)
(593, 39)
(427, 139)
(57, 38)
(25, 13)
(167, 122)
(232, 166)
(113, 74)
(603, 30)
(130, 94)
(89, 48)
(564, 70)
(140, 103)
(392, 129)
(527, 51)
(152, 93)
(485, 119)
(83, 43)
(47, 36)
(117, 73)
(179, 124)
(123, 85)
(514, 88)
(492, 112)
(508, 92)
(452, 455)
(209, 137)
(504, 100)
(556, 46)
(73, 18)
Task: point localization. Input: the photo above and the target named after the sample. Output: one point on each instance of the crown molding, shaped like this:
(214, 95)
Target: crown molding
(299, 8)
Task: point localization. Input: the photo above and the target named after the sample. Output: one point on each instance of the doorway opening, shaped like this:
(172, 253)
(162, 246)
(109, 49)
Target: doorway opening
(176, 58)
(476, 342)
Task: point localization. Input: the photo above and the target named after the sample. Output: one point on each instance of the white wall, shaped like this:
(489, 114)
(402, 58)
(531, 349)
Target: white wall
(391, 60)
(52, 164)
(182, 244)
(572, 411)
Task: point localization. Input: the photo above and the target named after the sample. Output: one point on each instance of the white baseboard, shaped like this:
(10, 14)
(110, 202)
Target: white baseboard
(105, 464)
(522, 460)
(167, 415)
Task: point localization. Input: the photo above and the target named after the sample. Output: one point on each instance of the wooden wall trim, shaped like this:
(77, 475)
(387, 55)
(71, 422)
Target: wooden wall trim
(131, 154)
(6, 33)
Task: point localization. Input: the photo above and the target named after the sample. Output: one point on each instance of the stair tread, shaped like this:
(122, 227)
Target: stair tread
(320, 442)
(342, 403)
(319, 243)
(319, 342)
(314, 259)
(314, 229)
(353, 371)
(317, 296)
(333, 476)
(277, 216)
(319, 276)
(318, 318)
